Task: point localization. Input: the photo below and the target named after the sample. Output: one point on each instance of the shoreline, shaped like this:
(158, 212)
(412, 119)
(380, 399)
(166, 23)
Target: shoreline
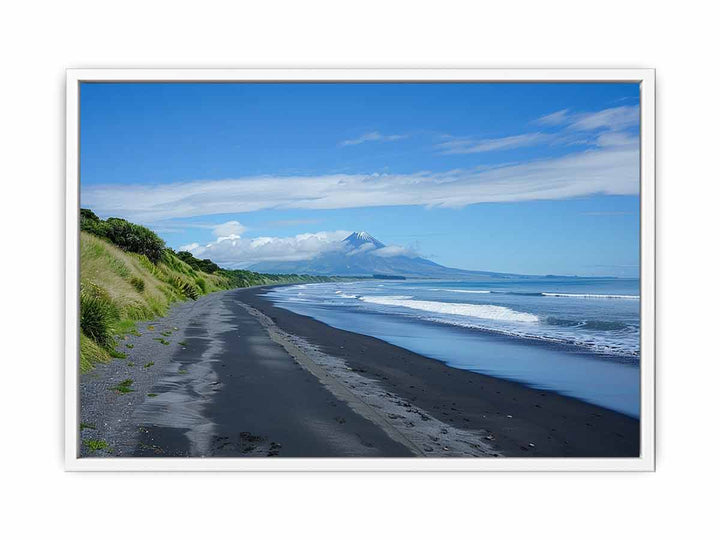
(518, 421)
(235, 376)
(545, 342)
(418, 430)
(609, 381)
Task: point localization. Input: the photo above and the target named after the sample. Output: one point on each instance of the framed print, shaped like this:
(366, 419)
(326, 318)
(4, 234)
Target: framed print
(366, 270)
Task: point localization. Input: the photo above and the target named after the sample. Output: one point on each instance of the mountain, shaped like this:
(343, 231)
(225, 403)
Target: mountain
(361, 254)
(360, 238)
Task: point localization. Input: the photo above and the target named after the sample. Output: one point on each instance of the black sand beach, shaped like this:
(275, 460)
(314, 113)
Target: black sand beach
(240, 377)
(520, 421)
(221, 387)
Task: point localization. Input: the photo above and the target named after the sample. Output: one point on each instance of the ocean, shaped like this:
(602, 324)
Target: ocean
(576, 336)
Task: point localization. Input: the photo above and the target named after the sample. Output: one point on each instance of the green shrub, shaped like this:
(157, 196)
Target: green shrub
(202, 285)
(138, 283)
(204, 265)
(97, 313)
(135, 238)
(88, 215)
(185, 287)
(95, 320)
(91, 223)
(158, 308)
(127, 236)
(91, 353)
(173, 262)
(136, 311)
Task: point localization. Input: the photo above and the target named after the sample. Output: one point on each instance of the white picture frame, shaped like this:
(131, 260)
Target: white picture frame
(645, 462)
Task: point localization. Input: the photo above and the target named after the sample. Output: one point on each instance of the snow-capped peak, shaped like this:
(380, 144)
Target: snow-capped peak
(358, 238)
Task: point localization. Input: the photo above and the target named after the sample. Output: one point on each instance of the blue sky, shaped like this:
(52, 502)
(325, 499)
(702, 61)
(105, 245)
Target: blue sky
(527, 178)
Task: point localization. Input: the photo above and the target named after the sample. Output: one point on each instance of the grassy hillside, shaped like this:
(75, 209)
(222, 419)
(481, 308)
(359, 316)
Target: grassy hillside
(128, 275)
(118, 288)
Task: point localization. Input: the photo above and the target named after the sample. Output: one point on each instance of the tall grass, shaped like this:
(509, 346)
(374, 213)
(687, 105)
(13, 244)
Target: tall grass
(138, 283)
(185, 287)
(118, 288)
(94, 320)
(91, 353)
(97, 313)
(128, 275)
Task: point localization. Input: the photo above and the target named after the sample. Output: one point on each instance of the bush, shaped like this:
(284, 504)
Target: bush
(186, 288)
(138, 283)
(135, 238)
(91, 353)
(94, 290)
(86, 213)
(204, 265)
(200, 282)
(96, 316)
(91, 223)
(127, 236)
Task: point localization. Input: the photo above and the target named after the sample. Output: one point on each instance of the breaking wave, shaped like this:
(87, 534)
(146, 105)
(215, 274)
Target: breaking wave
(471, 291)
(570, 295)
(478, 311)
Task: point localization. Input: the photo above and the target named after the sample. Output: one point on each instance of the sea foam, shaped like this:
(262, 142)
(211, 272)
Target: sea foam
(569, 295)
(479, 311)
(471, 291)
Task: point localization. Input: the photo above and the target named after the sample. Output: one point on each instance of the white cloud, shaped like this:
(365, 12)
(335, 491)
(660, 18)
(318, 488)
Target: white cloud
(600, 128)
(616, 118)
(394, 251)
(367, 246)
(612, 139)
(229, 228)
(473, 146)
(554, 119)
(189, 247)
(604, 170)
(235, 251)
(373, 136)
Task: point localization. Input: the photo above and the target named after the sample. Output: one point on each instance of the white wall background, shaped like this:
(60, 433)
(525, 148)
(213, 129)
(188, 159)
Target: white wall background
(38, 41)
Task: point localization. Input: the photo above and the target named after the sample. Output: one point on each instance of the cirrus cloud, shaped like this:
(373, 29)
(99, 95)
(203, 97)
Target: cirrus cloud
(471, 146)
(571, 128)
(373, 136)
(613, 118)
(612, 170)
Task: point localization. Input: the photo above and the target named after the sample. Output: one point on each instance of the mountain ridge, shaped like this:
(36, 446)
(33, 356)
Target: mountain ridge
(361, 254)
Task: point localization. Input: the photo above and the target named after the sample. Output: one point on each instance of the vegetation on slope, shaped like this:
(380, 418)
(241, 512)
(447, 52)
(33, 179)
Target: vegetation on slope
(127, 274)
(127, 236)
(119, 287)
